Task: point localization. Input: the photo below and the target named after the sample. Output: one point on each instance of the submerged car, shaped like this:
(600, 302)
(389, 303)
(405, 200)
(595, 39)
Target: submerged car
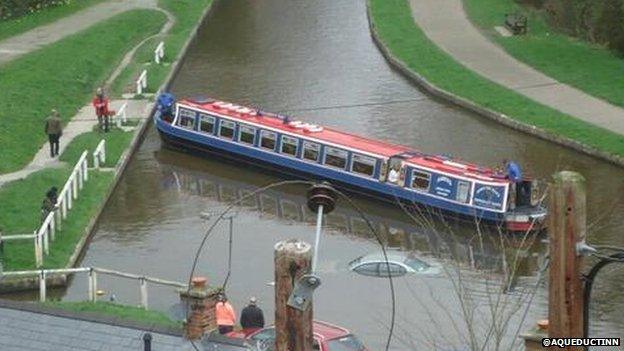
(327, 337)
(398, 264)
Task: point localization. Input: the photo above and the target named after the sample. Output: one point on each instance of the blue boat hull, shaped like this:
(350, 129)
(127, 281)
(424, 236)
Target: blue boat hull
(293, 168)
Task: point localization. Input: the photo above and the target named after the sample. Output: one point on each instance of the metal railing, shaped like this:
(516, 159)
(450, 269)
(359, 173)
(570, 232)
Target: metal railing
(121, 115)
(159, 53)
(141, 83)
(53, 220)
(92, 274)
(99, 155)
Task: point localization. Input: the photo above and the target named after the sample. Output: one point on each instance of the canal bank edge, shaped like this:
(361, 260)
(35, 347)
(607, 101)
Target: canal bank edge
(24, 284)
(449, 97)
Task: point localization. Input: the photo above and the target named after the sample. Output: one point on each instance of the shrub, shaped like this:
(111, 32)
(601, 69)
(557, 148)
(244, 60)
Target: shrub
(17, 8)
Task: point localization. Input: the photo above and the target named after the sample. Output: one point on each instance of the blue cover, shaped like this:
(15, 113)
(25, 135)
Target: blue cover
(514, 172)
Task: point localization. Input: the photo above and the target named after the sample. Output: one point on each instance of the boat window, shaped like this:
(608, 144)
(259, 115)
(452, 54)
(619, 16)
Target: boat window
(267, 139)
(463, 191)
(247, 135)
(186, 119)
(206, 123)
(363, 165)
(335, 157)
(289, 145)
(311, 151)
(420, 180)
(227, 129)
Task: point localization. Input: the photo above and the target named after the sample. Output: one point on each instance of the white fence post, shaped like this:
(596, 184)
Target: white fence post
(42, 286)
(46, 242)
(99, 155)
(70, 197)
(159, 53)
(141, 83)
(58, 219)
(52, 216)
(74, 183)
(121, 115)
(85, 169)
(38, 253)
(143, 285)
(92, 285)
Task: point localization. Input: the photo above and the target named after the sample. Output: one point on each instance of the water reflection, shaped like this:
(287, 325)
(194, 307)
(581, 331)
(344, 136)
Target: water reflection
(435, 235)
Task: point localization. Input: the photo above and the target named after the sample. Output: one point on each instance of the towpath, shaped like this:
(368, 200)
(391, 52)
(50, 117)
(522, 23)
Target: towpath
(85, 119)
(13, 47)
(446, 24)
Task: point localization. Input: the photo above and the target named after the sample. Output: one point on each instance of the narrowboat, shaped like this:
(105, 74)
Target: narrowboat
(371, 167)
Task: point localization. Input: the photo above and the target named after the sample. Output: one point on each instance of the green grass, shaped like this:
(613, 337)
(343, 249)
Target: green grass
(407, 42)
(586, 66)
(187, 14)
(62, 75)
(19, 25)
(23, 199)
(124, 312)
(116, 142)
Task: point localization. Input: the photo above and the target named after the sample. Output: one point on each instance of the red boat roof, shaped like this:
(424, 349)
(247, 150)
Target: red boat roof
(331, 136)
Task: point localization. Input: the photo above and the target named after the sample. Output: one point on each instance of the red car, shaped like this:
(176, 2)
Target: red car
(327, 337)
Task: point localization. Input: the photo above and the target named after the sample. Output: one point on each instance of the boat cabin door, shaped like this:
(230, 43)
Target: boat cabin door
(393, 163)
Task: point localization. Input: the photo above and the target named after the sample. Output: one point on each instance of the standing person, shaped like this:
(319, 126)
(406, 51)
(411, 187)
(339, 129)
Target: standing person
(54, 130)
(100, 102)
(226, 317)
(252, 316)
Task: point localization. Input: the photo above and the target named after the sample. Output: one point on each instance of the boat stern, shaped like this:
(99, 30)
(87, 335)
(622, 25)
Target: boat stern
(526, 219)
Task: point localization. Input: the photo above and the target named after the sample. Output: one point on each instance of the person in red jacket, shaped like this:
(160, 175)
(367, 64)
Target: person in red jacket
(100, 102)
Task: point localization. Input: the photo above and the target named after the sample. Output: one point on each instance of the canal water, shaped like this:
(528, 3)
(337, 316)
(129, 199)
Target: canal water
(316, 60)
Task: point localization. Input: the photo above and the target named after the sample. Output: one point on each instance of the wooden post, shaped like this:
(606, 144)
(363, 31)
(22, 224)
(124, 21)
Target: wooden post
(567, 227)
(293, 327)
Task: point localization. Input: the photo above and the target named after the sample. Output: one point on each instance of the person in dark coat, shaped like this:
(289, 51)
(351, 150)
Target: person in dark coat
(252, 316)
(54, 130)
(49, 203)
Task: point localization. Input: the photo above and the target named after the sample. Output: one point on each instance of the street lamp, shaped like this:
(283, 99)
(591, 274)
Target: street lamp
(230, 217)
(589, 281)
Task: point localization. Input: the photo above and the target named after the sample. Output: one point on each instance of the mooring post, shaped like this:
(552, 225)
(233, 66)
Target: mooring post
(293, 327)
(147, 342)
(567, 229)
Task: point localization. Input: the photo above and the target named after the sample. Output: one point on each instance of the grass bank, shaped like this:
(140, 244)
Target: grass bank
(21, 202)
(407, 42)
(22, 24)
(187, 13)
(38, 81)
(122, 312)
(116, 143)
(586, 66)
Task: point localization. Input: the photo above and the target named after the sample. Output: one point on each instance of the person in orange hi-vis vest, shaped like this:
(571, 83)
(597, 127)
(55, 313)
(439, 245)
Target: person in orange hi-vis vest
(226, 317)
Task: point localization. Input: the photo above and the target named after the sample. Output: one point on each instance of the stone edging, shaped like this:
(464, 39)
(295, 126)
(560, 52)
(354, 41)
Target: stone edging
(433, 90)
(61, 280)
(89, 317)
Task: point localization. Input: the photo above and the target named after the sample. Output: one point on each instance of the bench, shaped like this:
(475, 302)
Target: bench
(516, 23)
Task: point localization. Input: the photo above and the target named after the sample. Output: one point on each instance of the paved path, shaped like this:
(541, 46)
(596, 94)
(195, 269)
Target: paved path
(23, 330)
(34, 39)
(84, 121)
(446, 24)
